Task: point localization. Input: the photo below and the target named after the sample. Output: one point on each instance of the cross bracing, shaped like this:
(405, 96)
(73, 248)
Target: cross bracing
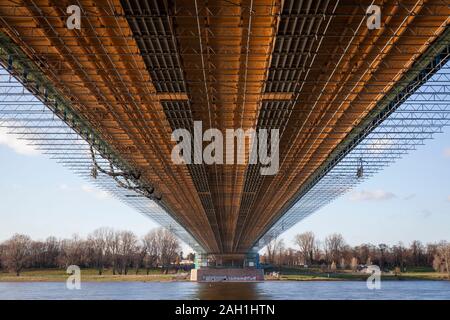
(137, 70)
(29, 119)
(414, 118)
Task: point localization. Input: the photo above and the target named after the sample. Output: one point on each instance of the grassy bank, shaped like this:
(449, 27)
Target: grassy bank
(346, 275)
(90, 275)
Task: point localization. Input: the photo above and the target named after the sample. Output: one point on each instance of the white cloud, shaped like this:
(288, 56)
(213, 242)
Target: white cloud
(99, 194)
(447, 152)
(375, 195)
(448, 198)
(425, 213)
(12, 142)
(410, 196)
(63, 187)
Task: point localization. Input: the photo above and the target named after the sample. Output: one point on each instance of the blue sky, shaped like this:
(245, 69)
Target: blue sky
(39, 197)
(409, 200)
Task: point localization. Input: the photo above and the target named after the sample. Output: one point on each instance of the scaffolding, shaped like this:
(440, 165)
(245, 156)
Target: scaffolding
(25, 116)
(137, 70)
(417, 112)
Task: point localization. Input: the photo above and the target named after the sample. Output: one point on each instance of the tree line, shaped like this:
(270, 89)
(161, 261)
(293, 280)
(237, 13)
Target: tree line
(333, 252)
(118, 250)
(122, 251)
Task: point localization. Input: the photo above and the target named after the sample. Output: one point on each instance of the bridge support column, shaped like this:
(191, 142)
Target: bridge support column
(227, 267)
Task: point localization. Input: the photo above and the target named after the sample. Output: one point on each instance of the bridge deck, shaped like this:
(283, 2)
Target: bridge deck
(137, 70)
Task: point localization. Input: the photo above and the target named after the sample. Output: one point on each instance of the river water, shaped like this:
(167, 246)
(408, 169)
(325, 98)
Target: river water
(282, 290)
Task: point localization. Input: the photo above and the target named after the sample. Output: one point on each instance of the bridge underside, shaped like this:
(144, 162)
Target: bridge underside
(137, 70)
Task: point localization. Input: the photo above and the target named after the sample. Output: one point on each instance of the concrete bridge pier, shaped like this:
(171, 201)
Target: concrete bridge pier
(210, 267)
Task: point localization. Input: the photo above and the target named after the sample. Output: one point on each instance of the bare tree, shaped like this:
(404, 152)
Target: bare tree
(2, 256)
(383, 248)
(273, 245)
(270, 249)
(305, 241)
(73, 251)
(99, 247)
(444, 252)
(430, 253)
(438, 264)
(334, 245)
(127, 249)
(122, 250)
(17, 251)
(151, 247)
(167, 247)
(52, 250)
(37, 254)
(399, 252)
(363, 252)
(317, 252)
(139, 255)
(417, 254)
(113, 247)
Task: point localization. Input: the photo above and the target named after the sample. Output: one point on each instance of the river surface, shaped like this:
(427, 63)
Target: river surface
(286, 290)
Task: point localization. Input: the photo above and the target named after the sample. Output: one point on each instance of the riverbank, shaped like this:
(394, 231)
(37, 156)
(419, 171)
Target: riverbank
(91, 275)
(355, 276)
(358, 277)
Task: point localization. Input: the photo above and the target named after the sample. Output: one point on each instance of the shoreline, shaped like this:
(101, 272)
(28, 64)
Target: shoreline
(90, 275)
(344, 276)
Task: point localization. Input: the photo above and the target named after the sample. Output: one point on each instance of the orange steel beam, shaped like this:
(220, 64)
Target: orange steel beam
(227, 95)
(336, 106)
(309, 68)
(128, 116)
